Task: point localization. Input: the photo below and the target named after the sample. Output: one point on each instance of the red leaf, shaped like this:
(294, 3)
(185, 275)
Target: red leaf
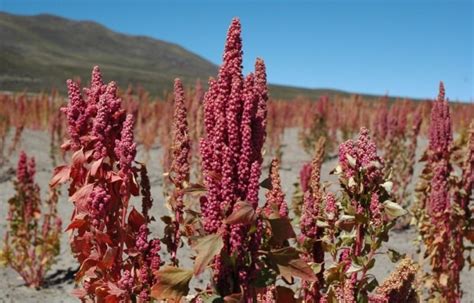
(285, 295)
(66, 145)
(281, 229)
(88, 153)
(77, 222)
(233, 298)
(134, 188)
(112, 299)
(78, 158)
(243, 214)
(95, 166)
(88, 266)
(61, 175)
(109, 257)
(115, 290)
(103, 237)
(79, 293)
(113, 177)
(81, 195)
(136, 219)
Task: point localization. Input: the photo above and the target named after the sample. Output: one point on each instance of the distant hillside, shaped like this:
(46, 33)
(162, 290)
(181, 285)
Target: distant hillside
(40, 52)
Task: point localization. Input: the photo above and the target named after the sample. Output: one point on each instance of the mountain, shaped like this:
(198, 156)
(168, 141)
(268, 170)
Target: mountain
(40, 52)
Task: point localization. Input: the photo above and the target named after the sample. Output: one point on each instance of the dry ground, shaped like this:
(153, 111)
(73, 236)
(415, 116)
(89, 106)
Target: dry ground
(60, 278)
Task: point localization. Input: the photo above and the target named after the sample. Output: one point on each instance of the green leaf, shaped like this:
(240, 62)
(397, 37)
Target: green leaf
(354, 268)
(212, 299)
(267, 184)
(264, 277)
(173, 283)
(388, 186)
(352, 161)
(207, 248)
(394, 255)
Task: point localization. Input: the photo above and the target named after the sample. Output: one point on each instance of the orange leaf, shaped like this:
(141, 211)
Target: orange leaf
(77, 222)
(173, 283)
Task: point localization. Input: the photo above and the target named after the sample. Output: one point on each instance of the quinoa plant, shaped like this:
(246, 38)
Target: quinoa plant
(348, 227)
(109, 239)
(32, 238)
(443, 205)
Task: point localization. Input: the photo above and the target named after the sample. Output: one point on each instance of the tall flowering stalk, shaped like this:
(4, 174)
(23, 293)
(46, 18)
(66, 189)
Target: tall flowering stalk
(19, 120)
(399, 149)
(180, 168)
(4, 128)
(442, 204)
(319, 127)
(196, 128)
(30, 247)
(275, 205)
(110, 242)
(311, 233)
(234, 118)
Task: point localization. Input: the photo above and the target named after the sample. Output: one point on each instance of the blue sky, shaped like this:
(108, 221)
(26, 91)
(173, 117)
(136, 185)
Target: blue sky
(403, 48)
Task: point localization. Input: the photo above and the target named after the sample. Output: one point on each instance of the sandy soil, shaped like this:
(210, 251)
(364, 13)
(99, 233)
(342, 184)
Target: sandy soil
(60, 280)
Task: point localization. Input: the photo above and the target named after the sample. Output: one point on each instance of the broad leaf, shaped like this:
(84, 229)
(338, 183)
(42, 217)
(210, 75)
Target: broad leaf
(77, 222)
(195, 189)
(173, 283)
(61, 175)
(82, 193)
(95, 166)
(136, 219)
(207, 248)
(281, 229)
(290, 265)
(78, 158)
(393, 210)
(284, 295)
(267, 184)
(394, 255)
(233, 298)
(243, 214)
